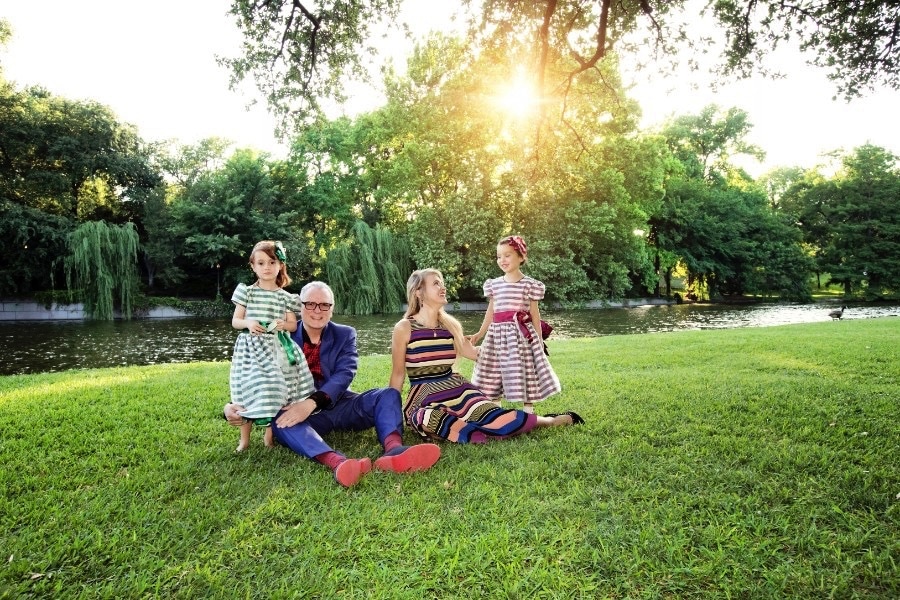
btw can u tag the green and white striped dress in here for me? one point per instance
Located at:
(262, 379)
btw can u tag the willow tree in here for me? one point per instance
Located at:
(101, 264)
(368, 272)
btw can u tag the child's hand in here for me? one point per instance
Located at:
(255, 327)
(473, 339)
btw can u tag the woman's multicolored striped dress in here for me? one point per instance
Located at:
(442, 404)
(509, 365)
(262, 379)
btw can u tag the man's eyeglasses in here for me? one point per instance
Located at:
(322, 306)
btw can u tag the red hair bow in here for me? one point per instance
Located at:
(518, 244)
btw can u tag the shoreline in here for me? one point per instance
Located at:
(30, 310)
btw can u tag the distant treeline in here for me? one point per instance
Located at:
(434, 178)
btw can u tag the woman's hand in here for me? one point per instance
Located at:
(468, 349)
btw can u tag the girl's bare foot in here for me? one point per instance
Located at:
(267, 438)
(244, 443)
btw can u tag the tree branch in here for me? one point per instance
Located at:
(544, 36)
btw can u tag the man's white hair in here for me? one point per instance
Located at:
(316, 285)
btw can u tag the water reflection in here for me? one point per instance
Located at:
(43, 346)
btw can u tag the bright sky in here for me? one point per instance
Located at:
(154, 64)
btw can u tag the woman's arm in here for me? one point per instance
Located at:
(488, 318)
(399, 342)
(466, 349)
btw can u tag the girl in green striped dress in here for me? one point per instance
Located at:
(268, 369)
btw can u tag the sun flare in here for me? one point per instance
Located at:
(519, 98)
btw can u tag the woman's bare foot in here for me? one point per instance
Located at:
(570, 417)
(562, 419)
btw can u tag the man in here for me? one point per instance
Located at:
(330, 351)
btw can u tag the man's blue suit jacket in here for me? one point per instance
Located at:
(339, 358)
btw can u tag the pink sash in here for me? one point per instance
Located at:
(519, 316)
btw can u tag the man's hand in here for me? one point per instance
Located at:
(231, 414)
(296, 413)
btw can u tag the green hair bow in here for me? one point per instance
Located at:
(279, 252)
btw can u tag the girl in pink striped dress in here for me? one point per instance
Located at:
(441, 403)
(511, 361)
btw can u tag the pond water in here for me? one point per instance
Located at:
(45, 346)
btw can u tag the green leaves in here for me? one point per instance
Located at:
(301, 55)
(863, 248)
(70, 158)
(368, 271)
(854, 39)
(719, 224)
(102, 261)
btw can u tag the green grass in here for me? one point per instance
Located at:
(744, 463)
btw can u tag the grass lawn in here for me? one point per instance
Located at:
(743, 463)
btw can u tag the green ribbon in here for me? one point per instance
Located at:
(279, 252)
(287, 343)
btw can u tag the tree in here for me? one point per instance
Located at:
(5, 35)
(706, 142)
(445, 165)
(368, 271)
(225, 212)
(185, 163)
(158, 250)
(182, 166)
(102, 260)
(778, 181)
(30, 243)
(855, 39)
(861, 249)
(70, 158)
(719, 223)
(300, 53)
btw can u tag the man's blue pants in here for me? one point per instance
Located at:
(379, 408)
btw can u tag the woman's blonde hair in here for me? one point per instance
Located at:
(414, 302)
(272, 250)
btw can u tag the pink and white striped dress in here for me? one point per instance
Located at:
(509, 365)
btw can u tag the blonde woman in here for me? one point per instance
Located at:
(441, 403)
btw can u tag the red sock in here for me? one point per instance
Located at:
(392, 441)
(330, 459)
